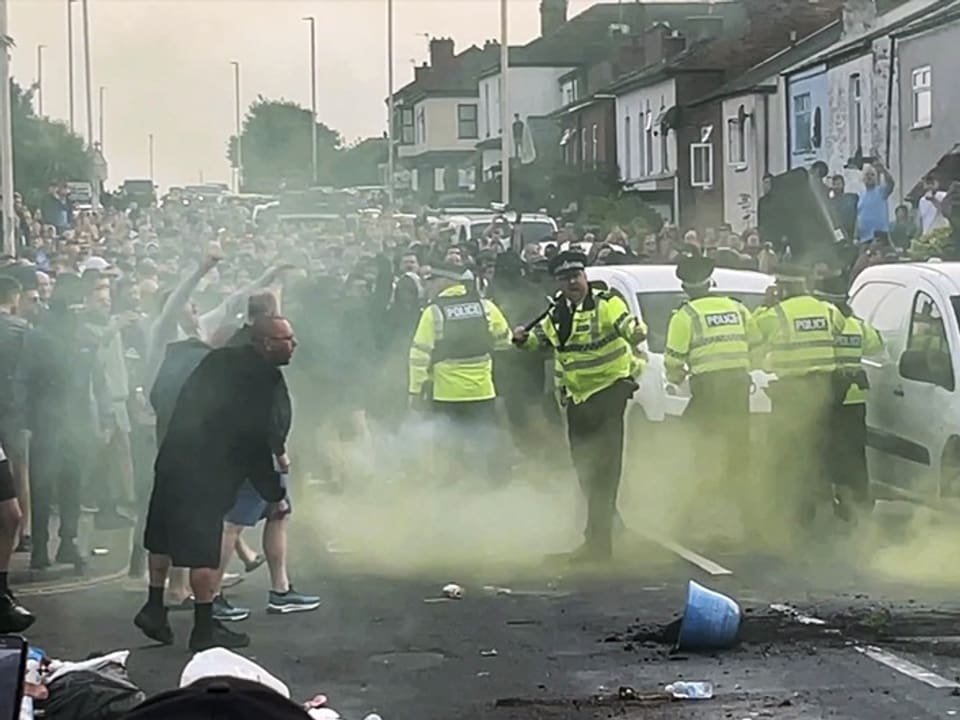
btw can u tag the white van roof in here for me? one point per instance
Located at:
(944, 274)
(663, 278)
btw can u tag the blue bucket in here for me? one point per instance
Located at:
(711, 620)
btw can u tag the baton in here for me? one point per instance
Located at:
(552, 303)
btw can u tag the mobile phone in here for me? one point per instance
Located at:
(13, 665)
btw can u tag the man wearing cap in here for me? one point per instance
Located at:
(451, 362)
(709, 339)
(593, 336)
(799, 335)
(848, 433)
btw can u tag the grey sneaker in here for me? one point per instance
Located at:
(225, 612)
(291, 602)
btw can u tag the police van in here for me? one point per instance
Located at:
(913, 405)
(653, 292)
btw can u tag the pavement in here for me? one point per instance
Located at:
(539, 639)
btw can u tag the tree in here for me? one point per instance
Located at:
(277, 144)
(44, 151)
(359, 163)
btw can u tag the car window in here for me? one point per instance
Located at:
(535, 230)
(656, 309)
(868, 296)
(889, 314)
(928, 334)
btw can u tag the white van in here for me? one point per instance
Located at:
(913, 407)
(653, 292)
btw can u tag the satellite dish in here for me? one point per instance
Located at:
(743, 115)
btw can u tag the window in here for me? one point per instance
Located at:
(923, 97)
(583, 145)
(928, 335)
(648, 132)
(890, 312)
(856, 114)
(486, 108)
(736, 143)
(421, 125)
(414, 180)
(569, 91)
(593, 145)
(802, 123)
(406, 126)
(467, 122)
(701, 165)
(627, 169)
(439, 179)
(641, 146)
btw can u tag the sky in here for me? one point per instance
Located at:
(166, 68)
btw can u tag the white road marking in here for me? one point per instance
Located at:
(689, 555)
(906, 667)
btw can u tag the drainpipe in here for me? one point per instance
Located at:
(890, 79)
(766, 133)
(787, 104)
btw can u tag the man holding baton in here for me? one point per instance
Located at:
(594, 337)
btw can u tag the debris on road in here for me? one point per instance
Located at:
(682, 690)
(492, 652)
(711, 620)
(497, 590)
(796, 615)
(453, 591)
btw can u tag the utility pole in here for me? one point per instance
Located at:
(40, 49)
(313, 96)
(150, 154)
(238, 171)
(6, 140)
(70, 90)
(100, 117)
(390, 105)
(86, 63)
(506, 132)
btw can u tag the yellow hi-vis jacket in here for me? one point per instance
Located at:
(858, 339)
(708, 334)
(799, 336)
(600, 349)
(456, 378)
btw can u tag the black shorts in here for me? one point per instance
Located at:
(8, 489)
(189, 533)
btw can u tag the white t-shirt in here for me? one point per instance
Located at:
(930, 216)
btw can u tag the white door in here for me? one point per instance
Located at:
(922, 392)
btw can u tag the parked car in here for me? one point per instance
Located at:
(913, 407)
(142, 192)
(653, 292)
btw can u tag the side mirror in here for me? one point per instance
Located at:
(916, 365)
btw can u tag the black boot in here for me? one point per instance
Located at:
(218, 636)
(154, 624)
(68, 554)
(14, 617)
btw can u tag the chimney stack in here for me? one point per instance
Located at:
(441, 53)
(859, 16)
(553, 15)
(661, 42)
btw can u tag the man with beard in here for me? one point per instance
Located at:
(219, 434)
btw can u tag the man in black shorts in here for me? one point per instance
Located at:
(219, 434)
(14, 618)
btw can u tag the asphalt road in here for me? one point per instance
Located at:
(385, 641)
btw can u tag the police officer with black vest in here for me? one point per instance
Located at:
(709, 340)
(451, 358)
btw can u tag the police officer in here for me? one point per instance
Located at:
(709, 339)
(799, 334)
(848, 433)
(451, 363)
(593, 335)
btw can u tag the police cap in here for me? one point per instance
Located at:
(569, 262)
(695, 269)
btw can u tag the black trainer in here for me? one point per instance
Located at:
(219, 636)
(154, 624)
(14, 617)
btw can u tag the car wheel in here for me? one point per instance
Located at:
(950, 469)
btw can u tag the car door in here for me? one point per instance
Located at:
(922, 392)
(886, 306)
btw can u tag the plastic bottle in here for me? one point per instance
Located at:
(690, 690)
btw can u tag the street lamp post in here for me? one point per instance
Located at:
(238, 171)
(70, 92)
(150, 154)
(313, 96)
(390, 105)
(6, 140)
(88, 79)
(505, 131)
(102, 90)
(40, 49)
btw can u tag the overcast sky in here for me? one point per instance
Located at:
(166, 66)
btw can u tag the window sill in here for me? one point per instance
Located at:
(923, 126)
(738, 167)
